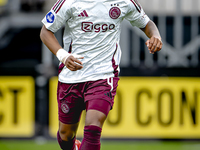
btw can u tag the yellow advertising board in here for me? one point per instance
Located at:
(17, 106)
(3, 2)
(148, 107)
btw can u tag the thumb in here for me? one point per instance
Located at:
(77, 56)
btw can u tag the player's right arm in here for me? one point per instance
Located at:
(49, 39)
(70, 60)
(53, 21)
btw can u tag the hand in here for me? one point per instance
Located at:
(154, 44)
(72, 62)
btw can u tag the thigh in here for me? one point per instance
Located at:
(99, 99)
(70, 102)
(95, 117)
(104, 89)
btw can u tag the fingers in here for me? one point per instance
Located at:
(159, 47)
(73, 63)
(154, 44)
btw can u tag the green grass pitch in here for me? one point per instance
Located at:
(106, 145)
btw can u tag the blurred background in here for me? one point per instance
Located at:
(158, 96)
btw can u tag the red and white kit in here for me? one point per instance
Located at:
(92, 30)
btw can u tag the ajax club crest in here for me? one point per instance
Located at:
(65, 108)
(114, 12)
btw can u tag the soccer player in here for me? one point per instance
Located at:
(89, 61)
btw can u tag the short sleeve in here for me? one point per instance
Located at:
(57, 16)
(136, 15)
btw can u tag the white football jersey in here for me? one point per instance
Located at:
(92, 30)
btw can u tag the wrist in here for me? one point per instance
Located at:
(62, 55)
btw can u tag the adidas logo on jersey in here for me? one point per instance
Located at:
(83, 14)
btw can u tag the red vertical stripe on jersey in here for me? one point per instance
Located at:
(70, 47)
(60, 68)
(115, 67)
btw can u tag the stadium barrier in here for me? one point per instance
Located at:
(145, 108)
(17, 106)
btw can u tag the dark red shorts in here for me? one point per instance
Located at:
(73, 98)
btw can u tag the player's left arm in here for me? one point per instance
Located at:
(154, 43)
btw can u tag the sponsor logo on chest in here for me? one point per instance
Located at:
(89, 26)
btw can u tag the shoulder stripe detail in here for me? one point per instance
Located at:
(137, 5)
(55, 4)
(58, 5)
